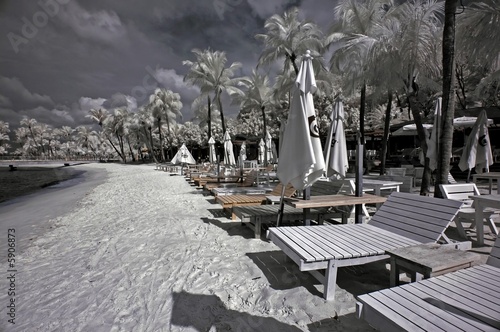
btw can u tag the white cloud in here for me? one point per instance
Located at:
(14, 91)
(86, 103)
(265, 8)
(169, 79)
(104, 26)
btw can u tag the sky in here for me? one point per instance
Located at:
(60, 58)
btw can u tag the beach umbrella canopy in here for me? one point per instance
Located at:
(228, 150)
(262, 151)
(211, 151)
(477, 152)
(410, 130)
(183, 156)
(433, 143)
(336, 158)
(301, 160)
(468, 121)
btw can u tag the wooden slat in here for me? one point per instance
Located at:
(334, 200)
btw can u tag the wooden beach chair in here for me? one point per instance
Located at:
(466, 300)
(462, 192)
(248, 181)
(230, 201)
(403, 220)
(257, 216)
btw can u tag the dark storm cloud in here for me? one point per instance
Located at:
(59, 58)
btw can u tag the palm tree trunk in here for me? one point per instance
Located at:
(209, 118)
(387, 124)
(219, 103)
(162, 152)
(446, 139)
(426, 177)
(130, 149)
(151, 146)
(264, 134)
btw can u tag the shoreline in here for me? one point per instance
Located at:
(33, 213)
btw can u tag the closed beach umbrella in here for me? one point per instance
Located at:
(262, 151)
(269, 144)
(477, 152)
(301, 160)
(228, 150)
(183, 156)
(211, 151)
(433, 144)
(337, 161)
(274, 151)
(243, 152)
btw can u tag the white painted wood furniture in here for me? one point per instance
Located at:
(481, 203)
(462, 192)
(466, 300)
(490, 176)
(403, 220)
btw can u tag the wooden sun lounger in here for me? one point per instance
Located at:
(466, 300)
(403, 220)
(249, 180)
(230, 201)
(256, 216)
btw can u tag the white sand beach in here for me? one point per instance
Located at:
(133, 249)
(143, 251)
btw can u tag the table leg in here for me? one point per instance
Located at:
(394, 277)
(479, 216)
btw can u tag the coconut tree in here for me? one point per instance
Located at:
(210, 74)
(165, 105)
(288, 37)
(114, 126)
(258, 96)
(4, 136)
(34, 131)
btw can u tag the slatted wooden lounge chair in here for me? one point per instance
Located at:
(248, 181)
(230, 201)
(403, 220)
(256, 216)
(466, 300)
(462, 192)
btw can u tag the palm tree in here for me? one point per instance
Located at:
(98, 115)
(258, 96)
(211, 76)
(288, 37)
(115, 125)
(165, 106)
(34, 131)
(4, 130)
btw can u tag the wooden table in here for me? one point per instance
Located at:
(379, 185)
(428, 260)
(480, 203)
(490, 176)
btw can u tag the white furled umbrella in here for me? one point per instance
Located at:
(477, 152)
(433, 143)
(301, 160)
(269, 143)
(211, 151)
(336, 158)
(262, 151)
(183, 156)
(274, 151)
(243, 152)
(282, 132)
(228, 150)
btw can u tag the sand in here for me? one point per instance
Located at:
(133, 249)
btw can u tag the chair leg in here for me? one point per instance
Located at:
(492, 226)
(460, 228)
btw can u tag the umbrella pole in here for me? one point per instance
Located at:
(282, 206)
(468, 176)
(306, 196)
